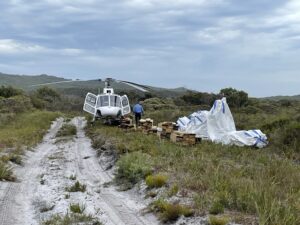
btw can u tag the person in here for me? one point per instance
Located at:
(138, 112)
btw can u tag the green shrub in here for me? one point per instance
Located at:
(9, 91)
(133, 167)
(77, 187)
(156, 181)
(214, 220)
(216, 208)
(77, 208)
(16, 104)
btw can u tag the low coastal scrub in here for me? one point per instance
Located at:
(132, 168)
(256, 185)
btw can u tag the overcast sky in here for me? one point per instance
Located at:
(204, 45)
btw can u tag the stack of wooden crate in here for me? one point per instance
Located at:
(146, 125)
(183, 138)
(126, 123)
(166, 128)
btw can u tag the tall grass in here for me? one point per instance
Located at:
(21, 131)
(26, 129)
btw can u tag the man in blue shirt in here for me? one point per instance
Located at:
(138, 112)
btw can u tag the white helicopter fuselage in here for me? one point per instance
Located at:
(107, 104)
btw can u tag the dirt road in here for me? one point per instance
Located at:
(50, 169)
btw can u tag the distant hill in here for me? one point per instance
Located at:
(278, 98)
(78, 88)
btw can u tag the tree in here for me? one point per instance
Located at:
(199, 98)
(234, 97)
(9, 91)
(47, 94)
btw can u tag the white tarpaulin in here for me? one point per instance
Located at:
(218, 126)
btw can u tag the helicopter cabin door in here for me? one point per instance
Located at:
(90, 103)
(125, 105)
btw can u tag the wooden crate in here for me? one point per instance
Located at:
(183, 138)
(166, 129)
(126, 123)
(146, 126)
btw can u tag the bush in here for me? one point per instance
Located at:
(9, 91)
(156, 181)
(216, 208)
(16, 104)
(133, 167)
(234, 97)
(199, 98)
(287, 138)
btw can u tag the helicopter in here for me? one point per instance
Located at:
(106, 105)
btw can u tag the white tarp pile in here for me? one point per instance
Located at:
(218, 126)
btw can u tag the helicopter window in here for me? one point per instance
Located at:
(115, 101)
(91, 99)
(104, 101)
(125, 102)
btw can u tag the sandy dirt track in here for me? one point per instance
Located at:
(42, 180)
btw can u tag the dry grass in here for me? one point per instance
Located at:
(156, 181)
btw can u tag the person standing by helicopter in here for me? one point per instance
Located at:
(138, 111)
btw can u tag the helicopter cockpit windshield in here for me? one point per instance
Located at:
(109, 100)
(115, 101)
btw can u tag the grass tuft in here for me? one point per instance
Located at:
(216, 208)
(77, 208)
(6, 173)
(220, 220)
(77, 187)
(170, 212)
(67, 130)
(156, 181)
(72, 219)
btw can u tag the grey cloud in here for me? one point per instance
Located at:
(201, 44)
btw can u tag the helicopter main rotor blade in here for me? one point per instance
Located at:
(59, 82)
(134, 85)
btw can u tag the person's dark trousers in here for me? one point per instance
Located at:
(138, 116)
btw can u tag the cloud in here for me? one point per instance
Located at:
(9, 46)
(202, 44)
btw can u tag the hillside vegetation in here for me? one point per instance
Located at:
(245, 185)
(80, 88)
